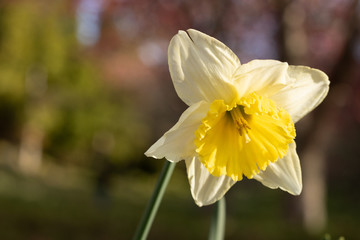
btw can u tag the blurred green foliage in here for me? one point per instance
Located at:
(48, 82)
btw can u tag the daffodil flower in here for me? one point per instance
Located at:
(240, 119)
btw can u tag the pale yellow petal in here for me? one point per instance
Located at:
(178, 143)
(205, 188)
(201, 67)
(309, 88)
(284, 173)
(264, 77)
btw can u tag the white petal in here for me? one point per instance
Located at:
(178, 143)
(308, 90)
(285, 173)
(265, 77)
(201, 67)
(205, 188)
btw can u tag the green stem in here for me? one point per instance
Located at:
(151, 209)
(217, 229)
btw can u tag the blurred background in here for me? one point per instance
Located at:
(85, 90)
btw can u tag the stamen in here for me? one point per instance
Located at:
(238, 115)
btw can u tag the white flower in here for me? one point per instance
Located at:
(240, 120)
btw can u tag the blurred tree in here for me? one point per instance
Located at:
(53, 102)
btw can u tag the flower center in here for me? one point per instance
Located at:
(243, 139)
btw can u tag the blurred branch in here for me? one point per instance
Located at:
(322, 133)
(346, 60)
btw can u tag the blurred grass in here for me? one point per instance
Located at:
(44, 207)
